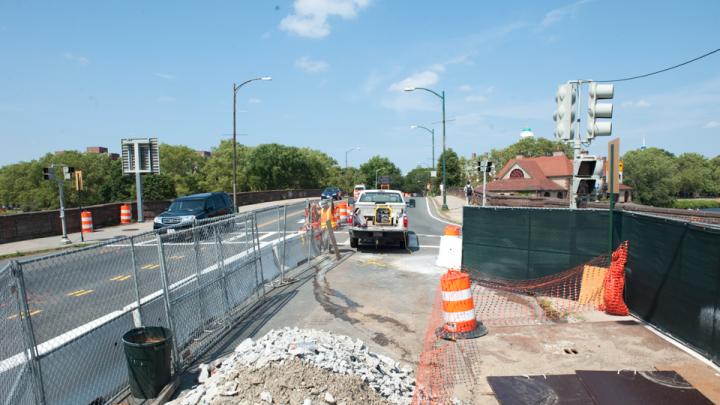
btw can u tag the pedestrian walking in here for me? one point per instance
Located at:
(468, 193)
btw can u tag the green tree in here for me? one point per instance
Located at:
(694, 175)
(416, 180)
(528, 147)
(650, 172)
(216, 173)
(346, 179)
(454, 175)
(157, 187)
(184, 165)
(383, 167)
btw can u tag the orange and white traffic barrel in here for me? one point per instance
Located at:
(125, 214)
(458, 308)
(86, 222)
(342, 208)
(450, 253)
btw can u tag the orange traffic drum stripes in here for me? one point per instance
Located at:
(452, 230)
(125, 214)
(86, 222)
(459, 320)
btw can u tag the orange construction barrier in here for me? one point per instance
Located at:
(86, 222)
(343, 212)
(125, 214)
(458, 308)
(452, 230)
(613, 302)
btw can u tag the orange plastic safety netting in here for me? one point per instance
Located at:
(446, 369)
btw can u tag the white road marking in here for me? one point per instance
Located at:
(427, 202)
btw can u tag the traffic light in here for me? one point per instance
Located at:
(48, 173)
(484, 166)
(597, 110)
(68, 172)
(79, 186)
(480, 166)
(488, 166)
(564, 116)
(587, 171)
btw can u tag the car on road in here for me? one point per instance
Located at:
(379, 216)
(184, 211)
(333, 193)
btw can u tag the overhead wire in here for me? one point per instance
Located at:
(659, 71)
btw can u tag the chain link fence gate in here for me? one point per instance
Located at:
(63, 315)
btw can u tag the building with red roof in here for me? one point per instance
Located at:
(542, 176)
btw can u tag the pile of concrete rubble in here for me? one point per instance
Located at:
(302, 366)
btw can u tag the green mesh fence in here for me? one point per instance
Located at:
(673, 268)
(523, 243)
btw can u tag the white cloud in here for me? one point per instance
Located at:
(555, 16)
(465, 88)
(476, 98)
(642, 103)
(254, 100)
(311, 66)
(310, 17)
(712, 124)
(164, 76)
(80, 60)
(422, 79)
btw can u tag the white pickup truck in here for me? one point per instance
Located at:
(379, 216)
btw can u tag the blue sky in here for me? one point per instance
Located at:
(83, 73)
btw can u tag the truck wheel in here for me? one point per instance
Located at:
(354, 242)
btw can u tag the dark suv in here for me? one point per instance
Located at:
(184, 211)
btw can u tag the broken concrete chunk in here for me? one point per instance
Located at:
(266, 397)
(329, 398)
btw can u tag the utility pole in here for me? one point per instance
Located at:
(484, 200)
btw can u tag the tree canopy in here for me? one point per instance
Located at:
(381, 166)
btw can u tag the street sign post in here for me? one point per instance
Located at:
(140, 156)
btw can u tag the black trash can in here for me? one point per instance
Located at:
(147, 351)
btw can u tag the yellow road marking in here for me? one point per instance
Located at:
(121, 278)
(150, 266)
(79, 293)
(176, 257)
(32, 312)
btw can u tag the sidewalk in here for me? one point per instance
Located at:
(50, 243)
(455, 205)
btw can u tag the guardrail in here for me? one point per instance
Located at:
(62, 316)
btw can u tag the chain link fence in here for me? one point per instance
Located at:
(63, 315)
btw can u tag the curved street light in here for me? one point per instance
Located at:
(234, 166)
(441, 96)
(346, 154)
(432, 132)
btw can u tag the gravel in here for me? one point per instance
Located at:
(303, 366)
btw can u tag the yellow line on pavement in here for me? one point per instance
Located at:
(32, 312)
(176, 257)
(79, 293)
(121, 278)
(151, 266)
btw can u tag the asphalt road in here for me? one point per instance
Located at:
(66, 291)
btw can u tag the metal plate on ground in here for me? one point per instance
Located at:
(552, 389)
(641, 387)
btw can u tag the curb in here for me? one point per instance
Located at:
(442, 214)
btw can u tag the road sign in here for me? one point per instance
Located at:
(385, 180)
(140, 156)
(79, 180)
(433, 173)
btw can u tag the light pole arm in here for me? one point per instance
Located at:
(431, 91)
(237, 87)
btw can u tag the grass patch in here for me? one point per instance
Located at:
(41, 251)
(551, 312)
(696, 203)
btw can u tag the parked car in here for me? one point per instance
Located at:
(184, 211)
(359, 188)
(331, 193)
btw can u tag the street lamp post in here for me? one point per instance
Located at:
(441, 96)
(432, 132)
(376, 178)
(346, 155)
(234, 165)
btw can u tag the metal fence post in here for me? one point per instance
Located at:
(256, 241)
(246, 240)
(139, 321)
(168, 312)
(284, 244)
(308, 228)
(221, 267)
(28, 333)
(198, 274)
